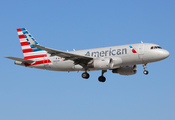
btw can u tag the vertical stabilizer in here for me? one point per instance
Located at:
(30, 52)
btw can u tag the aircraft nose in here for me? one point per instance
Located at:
(164, 54)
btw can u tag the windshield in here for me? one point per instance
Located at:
(156, 47)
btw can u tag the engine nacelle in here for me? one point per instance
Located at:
(103, 63)
(126, 70)
(18, 62)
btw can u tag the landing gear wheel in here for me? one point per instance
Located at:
(85, 75)
(145, 72)
(102, 79)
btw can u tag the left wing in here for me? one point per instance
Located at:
(78, 59)
(20, 59)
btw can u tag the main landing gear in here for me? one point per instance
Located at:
(85, 75)
(145, 71)
(102, 78)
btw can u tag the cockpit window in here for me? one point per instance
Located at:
(156, 47)
(159, 47)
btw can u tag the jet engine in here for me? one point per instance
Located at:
(103, 63)
(126, 70)
(18, 62)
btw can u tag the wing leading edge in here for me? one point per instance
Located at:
(78, 59)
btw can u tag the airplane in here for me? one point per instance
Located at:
(121, 59)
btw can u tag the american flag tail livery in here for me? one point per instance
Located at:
(30, 52)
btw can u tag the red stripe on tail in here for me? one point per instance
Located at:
(24, 43)
(27, 50)
(38, 62)
(35, 56)
(21, 36)
(19, 30)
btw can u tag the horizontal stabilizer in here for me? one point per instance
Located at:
(21, 60)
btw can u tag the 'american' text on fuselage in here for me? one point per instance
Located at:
(104, 53)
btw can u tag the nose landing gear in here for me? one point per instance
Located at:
(145, 71)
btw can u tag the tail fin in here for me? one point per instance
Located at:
(29, 51)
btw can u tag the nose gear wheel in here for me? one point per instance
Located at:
(145, 71)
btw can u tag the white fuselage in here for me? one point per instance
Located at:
(122, 56)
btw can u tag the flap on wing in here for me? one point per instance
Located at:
(20, 59)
